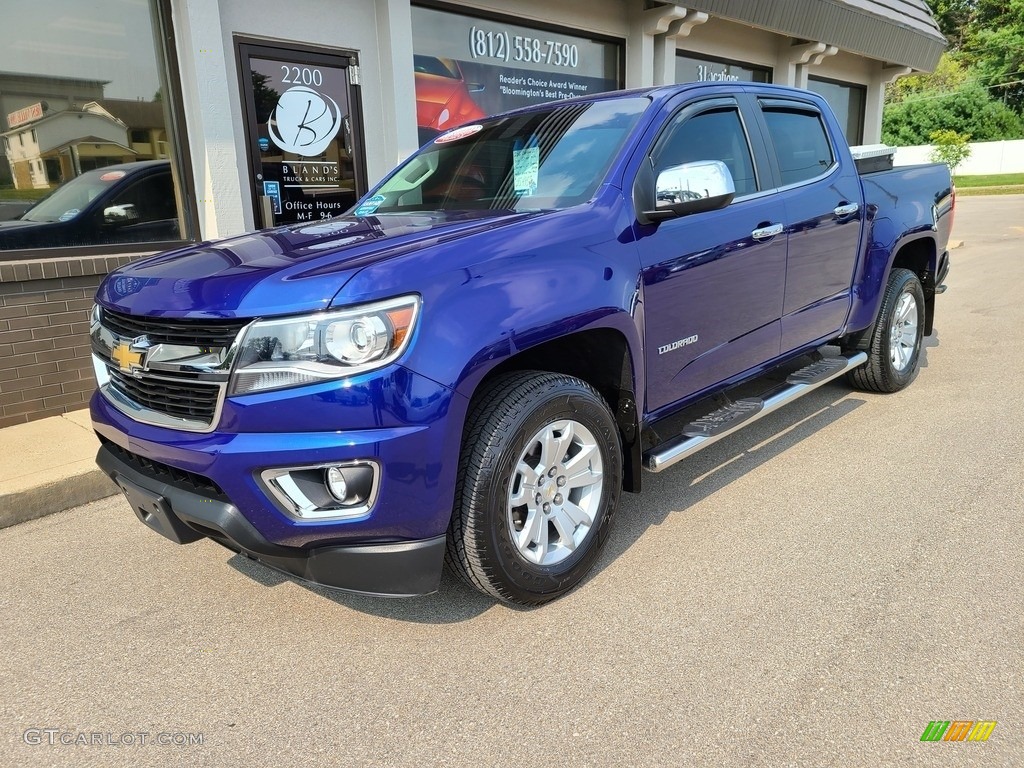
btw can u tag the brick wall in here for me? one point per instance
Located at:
(45, 367)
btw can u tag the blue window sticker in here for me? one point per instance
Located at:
(272, 189)
(370, 205)
(69, 215)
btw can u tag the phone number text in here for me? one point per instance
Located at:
(499, 44)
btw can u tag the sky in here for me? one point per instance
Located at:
(94, 39)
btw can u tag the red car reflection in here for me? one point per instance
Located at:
(443, 97)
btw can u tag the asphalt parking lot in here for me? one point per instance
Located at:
(812, 591)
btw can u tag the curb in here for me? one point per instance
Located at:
(49, 466)
(1009, 189)
(58, 496)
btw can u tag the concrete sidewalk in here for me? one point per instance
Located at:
(49, 466)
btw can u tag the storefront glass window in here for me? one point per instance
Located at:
(469, 67)
(701, 69)
(84, 114)
(847, 101)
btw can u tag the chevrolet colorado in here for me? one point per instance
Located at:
(501, 337)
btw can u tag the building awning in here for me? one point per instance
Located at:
(119, 149)
(135, 114)
(893, 31)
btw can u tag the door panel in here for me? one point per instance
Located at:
(712, 290)
(822, 205)
(822, 256)
(303, 130)
(715, 295)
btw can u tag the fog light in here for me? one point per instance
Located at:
(336, 484)
(324, 491)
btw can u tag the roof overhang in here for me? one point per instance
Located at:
(121, 148)
(893, 31)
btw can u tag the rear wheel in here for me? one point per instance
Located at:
(539, 482)
(895, 344)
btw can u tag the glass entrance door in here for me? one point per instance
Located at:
(303, 132)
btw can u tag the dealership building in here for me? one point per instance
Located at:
(255, 113)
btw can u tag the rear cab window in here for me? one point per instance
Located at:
(799, 140)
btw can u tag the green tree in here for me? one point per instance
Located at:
(993, 46)
(951, 148)
(968, 109)
(952, 17)
(949, 75)
(264, 96)
(1001, 63)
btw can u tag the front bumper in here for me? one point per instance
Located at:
(397, 569)
(214, 484)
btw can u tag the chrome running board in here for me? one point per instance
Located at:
(709, 429)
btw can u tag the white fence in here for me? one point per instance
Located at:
(987, 157)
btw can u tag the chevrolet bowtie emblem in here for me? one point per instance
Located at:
(127, 359)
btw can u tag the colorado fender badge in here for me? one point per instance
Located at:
(677, 344)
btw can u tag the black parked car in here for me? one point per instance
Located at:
(127, 203)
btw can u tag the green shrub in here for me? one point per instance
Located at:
(951, 148)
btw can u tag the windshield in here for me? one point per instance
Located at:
(69, 199)
(545, 159)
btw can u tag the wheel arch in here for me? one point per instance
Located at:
(920, 256)
(602, 357)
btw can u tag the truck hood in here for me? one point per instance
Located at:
(286, 270)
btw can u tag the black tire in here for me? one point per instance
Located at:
(893, 348)
(505, 420)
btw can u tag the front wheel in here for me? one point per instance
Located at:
(895, 344)
(539, 481)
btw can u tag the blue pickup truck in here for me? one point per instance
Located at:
(531, 311)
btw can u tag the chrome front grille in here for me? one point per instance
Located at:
(166, 372)
(189, 333)
(176, 397)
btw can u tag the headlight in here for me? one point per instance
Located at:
(287, 352)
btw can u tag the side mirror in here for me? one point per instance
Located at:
(117, 215)
(705, 185)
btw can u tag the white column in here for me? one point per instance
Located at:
(665, 46)
(208, 75)
(644, 25)
(791, 65)
(874, 103)
(394, 45)
(816, 59)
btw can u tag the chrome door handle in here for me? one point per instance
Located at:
(767, 233)
(847, 209)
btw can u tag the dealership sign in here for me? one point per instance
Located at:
(25, 115)
(468, 67)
